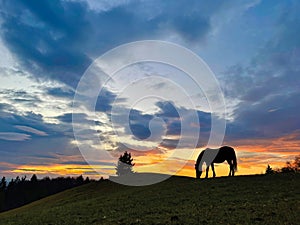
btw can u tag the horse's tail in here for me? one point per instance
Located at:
(234, 161)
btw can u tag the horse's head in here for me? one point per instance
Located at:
(197, 165)
(198, 172)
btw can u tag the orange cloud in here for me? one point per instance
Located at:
(253, 157)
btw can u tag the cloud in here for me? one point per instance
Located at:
(12, 136)
(36, 147)
(55, 41)
(105, 100)
(60, 92)
(163, 127)
(167, 110)
(20, 97)
(139, 124)
(52, 40)
(8, 121)
(267, 88)
(197, 122)
(32, 130)
(45, 29)
(67, 117)
(5, 107)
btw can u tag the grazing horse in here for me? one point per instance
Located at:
(211, 156)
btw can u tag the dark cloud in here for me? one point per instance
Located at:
(56, 39)
(175, 115)
(169, 143)
(12, 136)
(105, 100)
(5, 107)
(121, 148)
(34, 125)
(75, 163)
(191, 27)
(22, 97)
(35, 148)
(45, 37)
(143, 125)
(267, 118)
(268, 87)
(167, 110)
(8, 121)
(60, 92)
(68, 117)
(139, 124)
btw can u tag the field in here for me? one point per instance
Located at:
(259, 199)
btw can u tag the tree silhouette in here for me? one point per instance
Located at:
(290, 167)
(125, 164)
(20, 191)
(269, 170)
(296, 163)
(34, 178)
(3, 184)
(2, 193)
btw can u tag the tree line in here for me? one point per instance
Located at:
(290, 167)
(21, 191)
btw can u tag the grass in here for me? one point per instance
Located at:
(259, 199)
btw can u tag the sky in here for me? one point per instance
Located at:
(251, 47)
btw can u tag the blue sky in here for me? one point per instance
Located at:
(253, 48)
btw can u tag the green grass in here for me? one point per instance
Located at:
(260, 199)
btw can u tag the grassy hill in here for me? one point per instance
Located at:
(273, 199)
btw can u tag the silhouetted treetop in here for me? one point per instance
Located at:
(269, 170)
(125, 164)
(33, 178)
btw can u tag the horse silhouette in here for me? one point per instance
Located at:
(211, 156)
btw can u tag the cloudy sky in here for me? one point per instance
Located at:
(252, 48)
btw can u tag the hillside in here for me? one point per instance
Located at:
(273, 199)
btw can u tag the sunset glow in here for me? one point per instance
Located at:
(52, 123)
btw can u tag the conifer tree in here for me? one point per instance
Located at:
(269, 170)
(125, 164)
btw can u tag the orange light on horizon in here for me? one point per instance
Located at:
(253, 157)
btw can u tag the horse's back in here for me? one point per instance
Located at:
(225, 153)
(227, 148)
(221, 154)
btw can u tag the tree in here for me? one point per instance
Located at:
(3, 184)
(80, 179)
(296, 163)
(34, 178)
(269, 170)
(292, 167)
(125, 165)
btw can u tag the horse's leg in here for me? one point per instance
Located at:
(198, 174)
(213, 169)
(232, 170)
(207, 169)
(230, 167)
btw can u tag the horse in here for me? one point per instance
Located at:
(211, 156)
